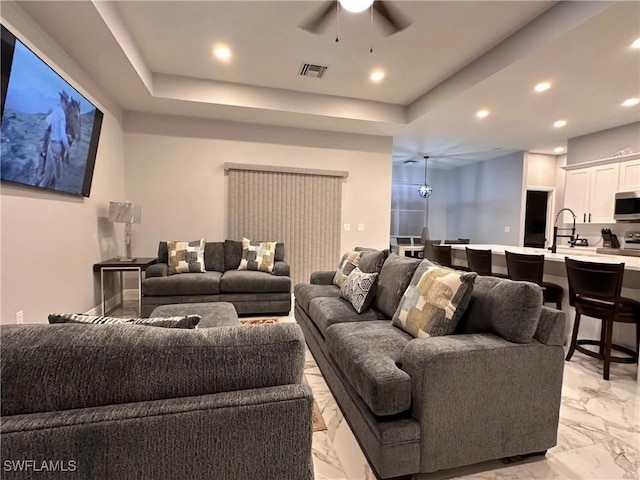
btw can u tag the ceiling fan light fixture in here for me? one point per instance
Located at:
(355, 6)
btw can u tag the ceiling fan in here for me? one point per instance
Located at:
(389, 16)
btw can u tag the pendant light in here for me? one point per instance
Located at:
(425, 189)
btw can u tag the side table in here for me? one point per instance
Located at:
(139, 265)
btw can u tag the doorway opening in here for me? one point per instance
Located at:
(535, 219)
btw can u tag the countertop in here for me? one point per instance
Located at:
(587, 254)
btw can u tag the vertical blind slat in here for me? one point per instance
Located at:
(301, 210)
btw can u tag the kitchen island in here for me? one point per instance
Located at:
(555, 271)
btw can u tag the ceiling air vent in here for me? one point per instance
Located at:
(311, 70)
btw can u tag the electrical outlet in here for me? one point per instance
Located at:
(20, 317)
(507, 229)
(347, 226)
(360, 227)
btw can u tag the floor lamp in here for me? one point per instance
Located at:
(127, 213)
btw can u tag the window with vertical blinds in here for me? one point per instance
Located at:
(300, 207)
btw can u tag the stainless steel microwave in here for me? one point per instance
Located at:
(627, 206)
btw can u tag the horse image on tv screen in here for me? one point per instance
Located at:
(46, 127)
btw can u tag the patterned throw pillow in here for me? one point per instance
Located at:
(259, 257)
(434, 301)
(348, 262)
(359, 288)
(188, 321)
(186, 257)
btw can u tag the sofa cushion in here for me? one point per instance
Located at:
(232, 254)
(305, 292)
(434, 301)
(507, 308)
(348, 262)
(371, 260)
(244, 281)
(214, 256)
(368, 354)
(325, 311)
(394, 279)
(186, 257)
(259, 257)
(359, 288)
(207, 283)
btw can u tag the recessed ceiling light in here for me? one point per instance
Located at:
(482, 113)
(558, 150)
(222, 53)
(630, 102)
(376, 76)
(355, 6)
(636, 43)
(559, 123)
(542, 87)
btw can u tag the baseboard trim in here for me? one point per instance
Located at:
(113, 302)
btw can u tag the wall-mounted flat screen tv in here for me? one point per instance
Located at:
(49, 131)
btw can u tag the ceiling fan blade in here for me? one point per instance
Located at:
(392, 20)
(319, 20)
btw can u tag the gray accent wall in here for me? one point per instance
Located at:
(50, 241)
(603, 144)
(484, 198)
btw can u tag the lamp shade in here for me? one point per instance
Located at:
(124, 212)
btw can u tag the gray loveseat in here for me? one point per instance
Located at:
(250, 292)
(490, 391)
(106, 402)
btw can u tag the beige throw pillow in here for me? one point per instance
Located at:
(259, 257)
(186, 257)
(348, 262)
(434, 301)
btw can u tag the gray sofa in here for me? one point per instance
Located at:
(250, 292)
(105, 402)
(490, 391)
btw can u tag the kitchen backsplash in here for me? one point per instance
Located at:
(591, 231)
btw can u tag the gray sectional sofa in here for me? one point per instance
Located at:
(250, 292)
(130, 402)
(489, 391)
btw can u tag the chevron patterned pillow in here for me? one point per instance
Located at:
(359, 288)
(188, 321)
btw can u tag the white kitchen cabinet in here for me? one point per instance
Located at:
(576, 194)
(590, 193)
(629, 178)
(604, 185)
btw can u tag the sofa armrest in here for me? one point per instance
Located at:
(322, 277)
(112, 364)
(157, 270)
(468, 390)
(551, 326)
(281, 269)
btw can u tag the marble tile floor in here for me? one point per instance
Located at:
(598, 437)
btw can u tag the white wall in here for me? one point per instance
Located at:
(484, 198)
(174, 169)
(50, 241)
(603, 144)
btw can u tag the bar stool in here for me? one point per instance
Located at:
(442, 255)
(479, 261)
(594, 290)
(530, 268)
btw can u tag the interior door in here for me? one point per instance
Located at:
(535, 219)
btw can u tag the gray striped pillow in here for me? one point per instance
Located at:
(188, 321)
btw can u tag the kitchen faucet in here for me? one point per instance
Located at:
(554, 246)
